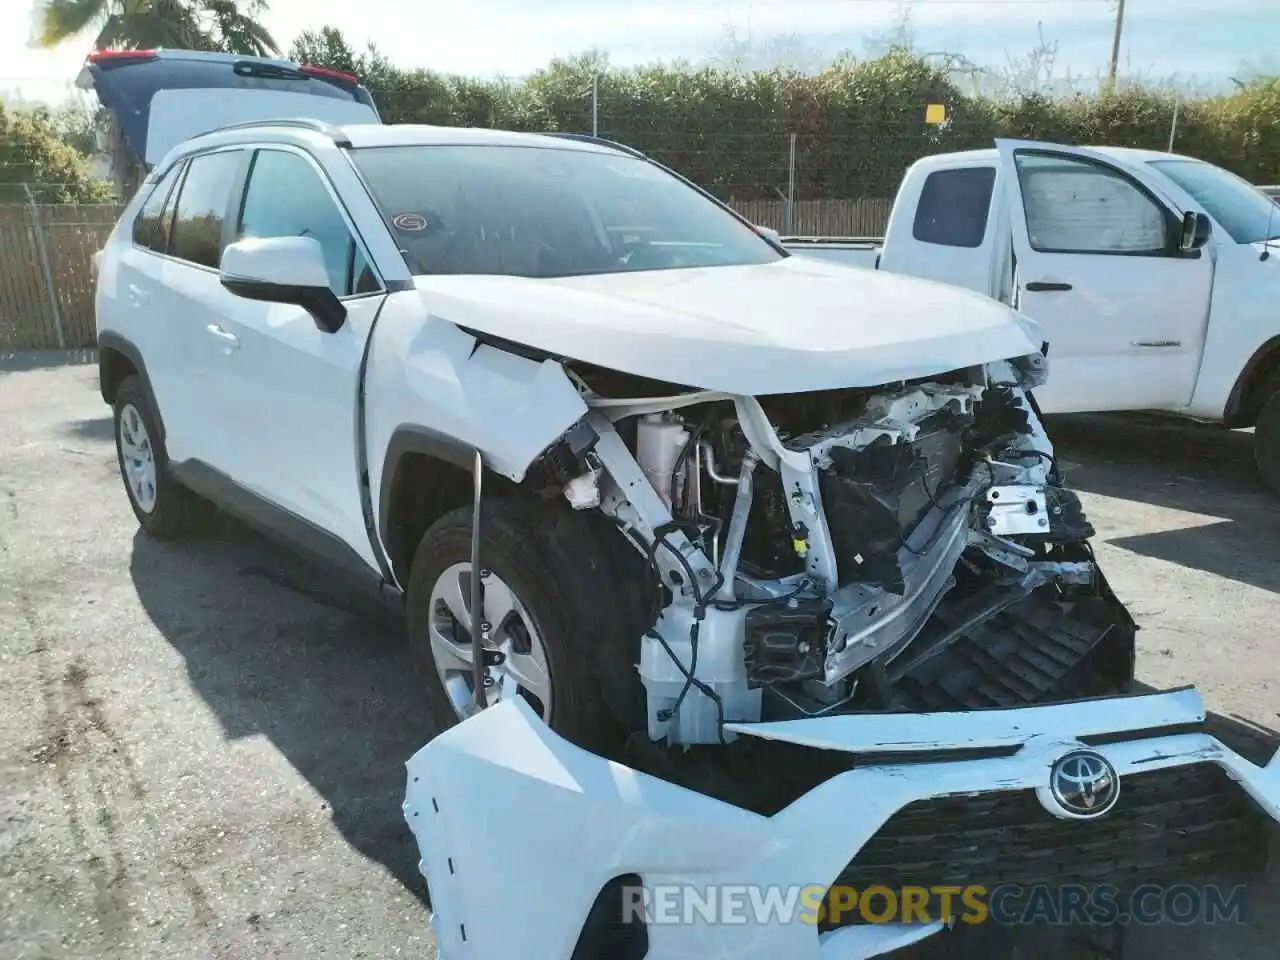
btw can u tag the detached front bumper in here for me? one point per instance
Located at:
(520, 831)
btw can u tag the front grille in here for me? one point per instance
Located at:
(1176, 825)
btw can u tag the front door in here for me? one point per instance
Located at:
(297, 386)
(1098, 265)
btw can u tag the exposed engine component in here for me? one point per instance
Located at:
(800, 545)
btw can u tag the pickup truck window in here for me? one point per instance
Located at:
(1246, 213)
(202, 207)
(548, 212)
(1077, 206)
(286, 198)
(953, 207)
(151, 227)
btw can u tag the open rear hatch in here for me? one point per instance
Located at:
(163, 97)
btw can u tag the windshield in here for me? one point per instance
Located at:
(1245, 212)
(547, 212)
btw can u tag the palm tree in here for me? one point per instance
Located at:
(225, 25)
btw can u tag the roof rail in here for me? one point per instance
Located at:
(319, 126)
(599, 141)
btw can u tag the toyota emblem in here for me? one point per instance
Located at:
(1084, 785)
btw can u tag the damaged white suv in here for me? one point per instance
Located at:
(763, 529)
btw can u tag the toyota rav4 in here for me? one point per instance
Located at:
(721, 565)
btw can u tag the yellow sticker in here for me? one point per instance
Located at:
(935, 113)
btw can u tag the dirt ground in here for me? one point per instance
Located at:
(199, 758)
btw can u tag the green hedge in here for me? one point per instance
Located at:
(858, 125)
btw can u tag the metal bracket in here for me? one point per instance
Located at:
(1015, 509)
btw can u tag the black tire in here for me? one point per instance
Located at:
(551, 560)
(177, 512)
(1266, 440)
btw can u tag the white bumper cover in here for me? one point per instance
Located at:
(519, 830)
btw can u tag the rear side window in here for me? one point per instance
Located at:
(953, 207)
(151, 227)
(202, 207)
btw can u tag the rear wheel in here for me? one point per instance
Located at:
(545, 602)
(1266, 440)
(165, 509)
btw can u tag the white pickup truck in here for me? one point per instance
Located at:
(1150, 273)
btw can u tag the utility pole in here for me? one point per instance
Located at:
(1115, 45)
(595, 104)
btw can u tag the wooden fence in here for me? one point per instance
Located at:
(46, 259)
(820, 218)
(46, 273)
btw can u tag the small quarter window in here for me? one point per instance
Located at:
(151, 226)
(954, 205)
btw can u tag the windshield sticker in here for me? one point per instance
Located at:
(410, 222)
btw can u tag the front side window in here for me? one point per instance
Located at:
(151, 226)
(202, 207)
(1246, 213)
(953, 207)
(286, 198)
(548, 212)
(1077, 206)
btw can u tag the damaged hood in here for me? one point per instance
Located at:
(790, 326)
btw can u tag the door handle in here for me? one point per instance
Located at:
(1044, 286)
(229, 340)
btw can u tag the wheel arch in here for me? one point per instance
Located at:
(119, 358)
(425, 474)
(1250, 390)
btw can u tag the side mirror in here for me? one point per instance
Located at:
(770, 234)
(284, 270)
(1196, 230)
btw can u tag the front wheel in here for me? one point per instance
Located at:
(1266, 441)
(543, 601)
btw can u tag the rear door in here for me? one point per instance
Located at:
(294, 388)
(1097, 264)
(172, 282)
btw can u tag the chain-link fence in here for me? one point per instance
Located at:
(809, 185)
(46, 250)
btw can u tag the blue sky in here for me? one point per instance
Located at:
(1207, 39)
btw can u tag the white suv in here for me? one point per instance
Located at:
(706, 483)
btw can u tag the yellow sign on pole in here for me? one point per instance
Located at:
(935, 113)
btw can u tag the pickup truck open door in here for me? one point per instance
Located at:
(1100, 264)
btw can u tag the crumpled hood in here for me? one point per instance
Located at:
(790, 326)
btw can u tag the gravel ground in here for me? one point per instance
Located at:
(200, 760)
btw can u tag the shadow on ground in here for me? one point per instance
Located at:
(1180, 466)
(273, 650)
(23, 360)
(93, 428)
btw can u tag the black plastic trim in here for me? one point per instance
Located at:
(408, 439)
(362, 453)
(126, 348)
(510, 346)
(280, 525)
(321, 302)
(1235, 401)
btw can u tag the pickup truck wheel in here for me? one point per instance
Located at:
(165, 509)
(1266, 441)
(538, 616)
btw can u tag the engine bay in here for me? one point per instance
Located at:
(803, 548)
